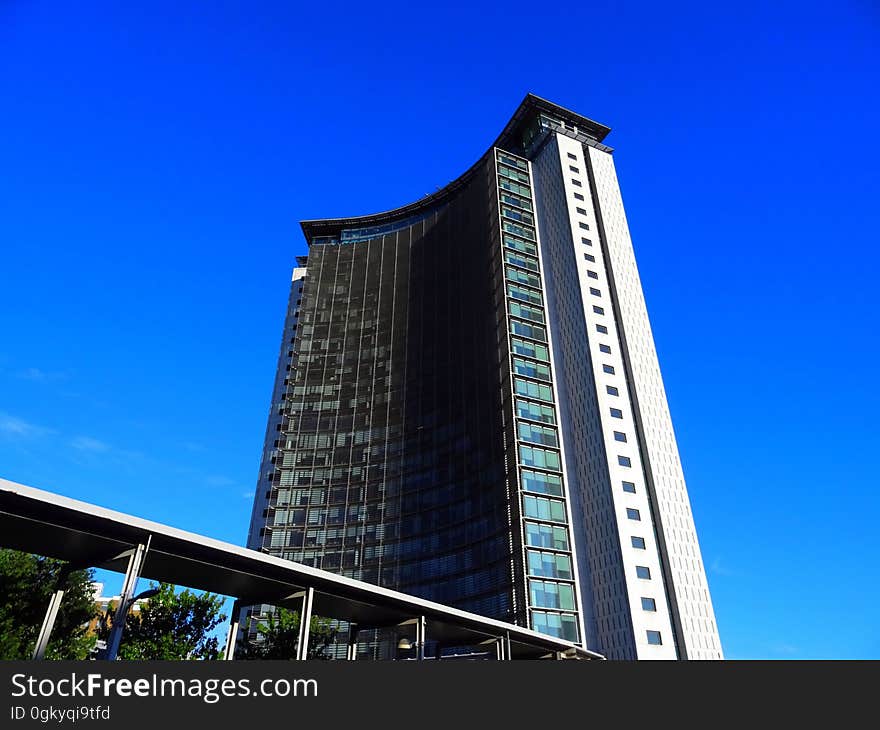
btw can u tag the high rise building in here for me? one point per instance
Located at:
(468, 406)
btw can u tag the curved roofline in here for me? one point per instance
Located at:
(508, 138)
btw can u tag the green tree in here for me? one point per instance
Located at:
(27, 582)
(172, 625)
(278, 636)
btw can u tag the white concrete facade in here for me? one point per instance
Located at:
(685, 574)
(644, 588)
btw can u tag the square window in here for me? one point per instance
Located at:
(638, 542)
(616, 413)
(643, 572)
(582, 211)
(578, 196)
(624, 461)
(633, 514)
(608, 369)
(654, 638)
(598, 310)
(589, 257)
(586, 242)
(605, 348)
(595, 292)
(611, 390)
(602, 328)
(620, 436)
(629, 487)
(649, 604)
(571, 156)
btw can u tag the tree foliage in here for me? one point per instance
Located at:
(172, 625)
(278, 636)
(27, 582)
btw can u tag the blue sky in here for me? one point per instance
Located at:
(156, 161)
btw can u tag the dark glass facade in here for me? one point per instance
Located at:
(391, 465)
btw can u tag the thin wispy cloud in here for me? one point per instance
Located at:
(87, 443)
(719, 568)
(247, 495)
(14, 427)
(39, 376)
(216, 480)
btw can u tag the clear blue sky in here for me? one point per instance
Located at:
(155, 161)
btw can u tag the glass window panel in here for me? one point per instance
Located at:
(534, 481)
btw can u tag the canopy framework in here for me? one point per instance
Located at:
(85, 535)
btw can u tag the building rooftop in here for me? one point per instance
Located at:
(512, 138)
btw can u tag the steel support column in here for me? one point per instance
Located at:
(51, 613)
(305, 619)
(232, 634)
(353, 632)
(132, 573)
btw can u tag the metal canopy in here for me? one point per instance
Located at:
(86, 535)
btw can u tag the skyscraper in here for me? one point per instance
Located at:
(468, 406)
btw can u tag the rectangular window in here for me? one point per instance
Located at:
(514, 188)
(584, 226)
(523, 246)
(518, 215)
(586, 242)
(535, 411)
(595, 292)
(578, 196)
(525, 295)
(654, 638)
(576, 183)
(560, 625)
(624, 460)
(573, 169)
(542, 508)
(643, 572)
(530, 349)
(523, 277)
(543, 435)
(616, 413)
(541, 458)
(602, 328)
(531, 369)
(598, 310)
(633, 514)
(571, 156)
(620, 436)
(548, 536)
(518, 230)
(549, 565)
(608, 369)
(528, 330)
(518, 259)
(605, 348)
(533, 390)
(524, 311)
(592, 275)
(512, 161)
(589, 257)
(582, 211)
(536, 481)
(649, 604)
(545, 594)
(611, 390)
(638, 542)
(629, 487)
